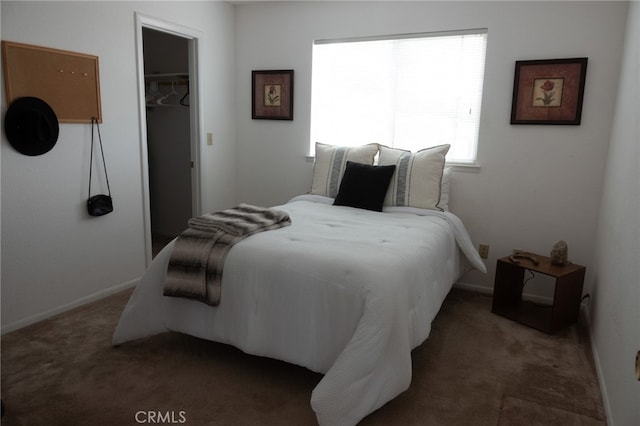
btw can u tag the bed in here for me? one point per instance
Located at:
(343, 291)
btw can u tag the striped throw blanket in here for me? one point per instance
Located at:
(196, 263)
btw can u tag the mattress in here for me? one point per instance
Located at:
(342, 291)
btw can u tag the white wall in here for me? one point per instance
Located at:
(615, 313)
(536, 184)
(53, 253)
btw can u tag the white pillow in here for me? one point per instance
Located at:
(417, 179)
(331, 162)
(444, 189)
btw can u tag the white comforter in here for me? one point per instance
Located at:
(342, 291)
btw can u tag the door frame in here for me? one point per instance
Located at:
(196, 115)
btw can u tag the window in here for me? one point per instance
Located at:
(407, 91)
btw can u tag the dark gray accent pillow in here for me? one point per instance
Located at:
(364, 186)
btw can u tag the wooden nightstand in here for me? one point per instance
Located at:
(509, 282)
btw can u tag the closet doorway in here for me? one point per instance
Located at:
(167, 59)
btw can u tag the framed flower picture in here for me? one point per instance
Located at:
(548, 91)
(272, 94)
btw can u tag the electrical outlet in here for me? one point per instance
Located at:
(483, 250)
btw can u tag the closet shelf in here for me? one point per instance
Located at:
(151, 105)
(168, 76)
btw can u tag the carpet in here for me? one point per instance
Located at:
(520, 412)
(476, 368)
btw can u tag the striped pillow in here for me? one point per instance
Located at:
(331, 162)
(418, 176)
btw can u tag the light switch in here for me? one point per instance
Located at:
(209, 138)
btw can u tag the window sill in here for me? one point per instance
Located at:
(463, 167)
(458, 167)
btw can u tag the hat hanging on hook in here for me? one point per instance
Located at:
(31, 126)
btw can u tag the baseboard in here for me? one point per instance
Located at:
(473, 287)
(60, 309)
(489, 290)
(584, 313)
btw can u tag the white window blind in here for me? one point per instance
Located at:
(408, 91)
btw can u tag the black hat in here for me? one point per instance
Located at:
(31, 126)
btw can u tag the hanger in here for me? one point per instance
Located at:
(182, 100)
(165, 99)
(154, 92)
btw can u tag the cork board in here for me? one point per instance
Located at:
(69, 82)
